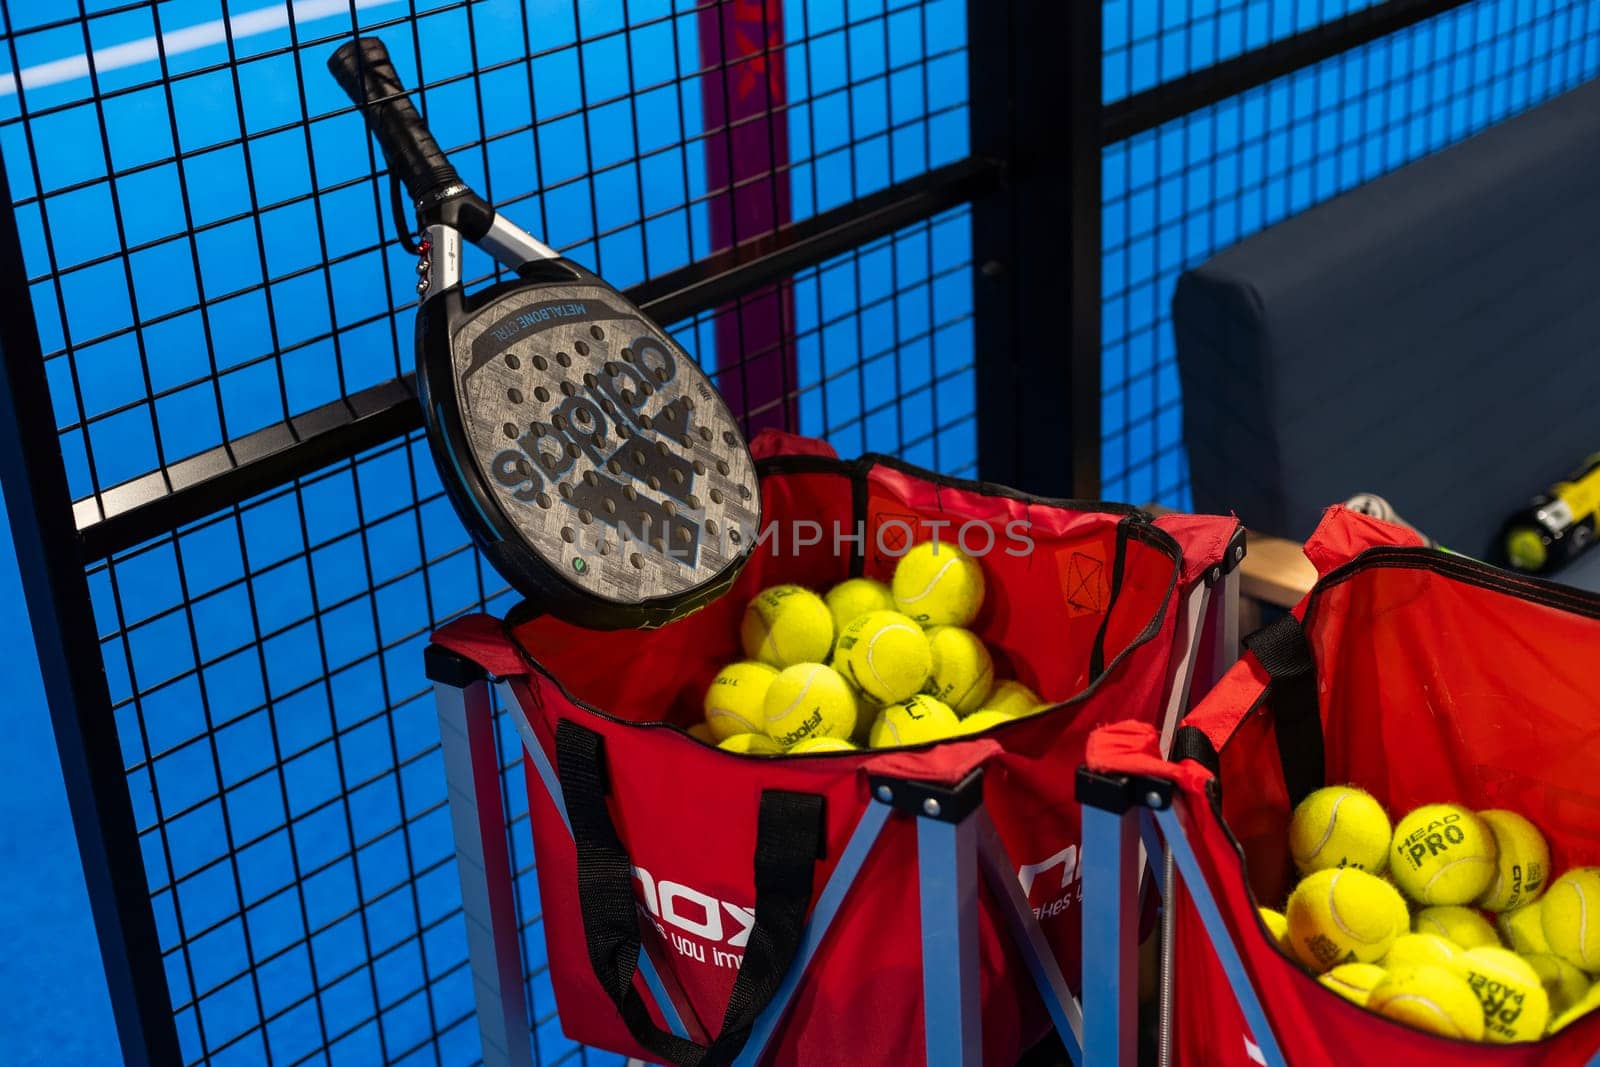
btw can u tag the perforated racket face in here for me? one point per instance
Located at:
(606, 447)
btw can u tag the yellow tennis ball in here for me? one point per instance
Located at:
(821, 744)
(1589, 1003)
(1339, 826)
(808, 700)
(701, 731)
(1343, 915)
(1012, 698)
(785, 625)
(1277, 926)
(1523, 930)
(961, 670)
(855, 597)
(1570, 917)
(1515, 1005)
(734, 698)
(885, 655)
(1460, 926)
(1414, 950)
(1354, 981)
(1442, 854)
(751, 745)
(1522, 861)
(937, 583)
(1564, 984)
(1429, 998)
(918, 720)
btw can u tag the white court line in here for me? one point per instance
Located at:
(176, 42)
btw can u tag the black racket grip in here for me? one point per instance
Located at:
(363, 70)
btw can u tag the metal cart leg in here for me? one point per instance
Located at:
(472, 776)
(947, 885)
(1112, 806)
(1001, 874)
(1110, 920)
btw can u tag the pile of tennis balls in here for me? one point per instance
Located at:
(865, 664)
(1482, 945)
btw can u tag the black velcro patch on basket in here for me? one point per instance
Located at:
(1285, 654)
(1191, 742)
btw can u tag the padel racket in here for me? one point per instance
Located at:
(593, 462)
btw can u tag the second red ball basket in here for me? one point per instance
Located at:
(1418, 675)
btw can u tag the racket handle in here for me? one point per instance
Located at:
(363, 70)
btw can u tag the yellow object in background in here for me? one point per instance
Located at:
(1557, 525)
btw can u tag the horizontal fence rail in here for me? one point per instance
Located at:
(125, 515)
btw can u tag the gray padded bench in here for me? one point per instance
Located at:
(1432, 336)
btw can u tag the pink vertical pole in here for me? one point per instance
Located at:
(747, 160)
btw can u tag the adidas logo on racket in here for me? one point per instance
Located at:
(586, 452)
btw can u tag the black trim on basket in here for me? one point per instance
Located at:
(789, 841)
(1469, 571)
(895, 463)
(1285, 654)
(858, 511)
(1097, 651)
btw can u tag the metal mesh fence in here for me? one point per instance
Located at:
(1175, 195)
(208, 254)
(1147, 44)
(279, 734)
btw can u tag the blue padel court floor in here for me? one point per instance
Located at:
(201, 285)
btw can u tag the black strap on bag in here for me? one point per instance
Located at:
(1097, 651)
(1191, 742)
(1284, 652)
(789, 841)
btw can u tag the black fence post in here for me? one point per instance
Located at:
(64, 632)
(1034, 81)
